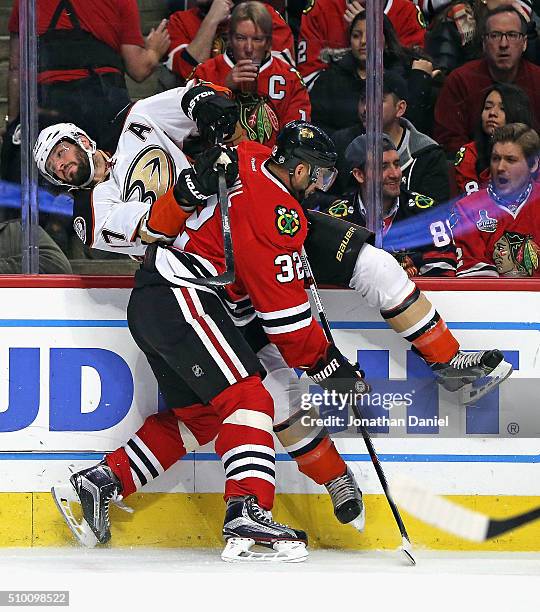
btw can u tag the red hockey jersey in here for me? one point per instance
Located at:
(496, 240)
(467, 179)
(268, 230)
(324, 29)
(281, 96)
(184, 25)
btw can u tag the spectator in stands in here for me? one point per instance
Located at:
(268, 90)
(51, 258)
(504, 103)
(459, 105)
(422, 160)
(415, 231)
(324, 33)
(497, 229)
(84, 50)
(335, 94)
(200, 33)
(451, 37)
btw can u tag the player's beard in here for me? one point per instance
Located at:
(83, 169)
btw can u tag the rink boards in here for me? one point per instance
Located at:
(74, 385)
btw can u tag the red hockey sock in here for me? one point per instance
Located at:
(322, 463)
(245, 442)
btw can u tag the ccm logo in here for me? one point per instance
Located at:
(344, 243)
(203, 94)
(327, 371)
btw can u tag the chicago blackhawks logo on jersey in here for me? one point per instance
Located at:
(287, 221)
(257, 117)
(149, 176)
(420, 201)
(516, 254)
(459, 156)
(340, 208)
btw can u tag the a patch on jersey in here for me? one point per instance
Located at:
(459, 156)
(341, 209)
(287, 221)
(292, 69)
(257, 117)
(219, 45)
(150, 175)
(79, 225)
(309, 6)
(421, 18)
(516, 254)
(486, 223)
(421, 201)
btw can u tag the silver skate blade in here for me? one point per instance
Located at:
(472, 392)
(64, 496)
(359, 522)
(406, 549)
(238, 550)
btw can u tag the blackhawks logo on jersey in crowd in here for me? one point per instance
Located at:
(257, 117)
(516, 254)
(287, 221)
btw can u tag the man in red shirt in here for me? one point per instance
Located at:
(200, 33)
(268, 91)
(497, 230)
(459, 105)
(84, 50)
(323, 32)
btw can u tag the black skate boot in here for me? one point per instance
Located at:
(94, 489)
(472, 374)
(347, 500)
(247, 524)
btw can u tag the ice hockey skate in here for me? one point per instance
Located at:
(247, 524)
(472, 375)
(93, 490)
(347, 500)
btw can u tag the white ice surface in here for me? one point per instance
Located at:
(161, 580)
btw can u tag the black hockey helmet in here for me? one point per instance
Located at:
(300, 141)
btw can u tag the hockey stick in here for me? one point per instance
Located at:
(228, 276)
(453, 518)
(406, 543)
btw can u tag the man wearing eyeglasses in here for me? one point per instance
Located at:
(459, 106)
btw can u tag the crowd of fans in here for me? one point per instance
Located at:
(461, 106)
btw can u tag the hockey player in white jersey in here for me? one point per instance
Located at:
(132, 203)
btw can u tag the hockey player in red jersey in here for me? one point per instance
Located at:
(497, 230)
(126, 213)
(268, 90)
(200, 33)
(323, 32)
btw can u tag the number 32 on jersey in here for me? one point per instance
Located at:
(290, 267)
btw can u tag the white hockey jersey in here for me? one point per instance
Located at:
(144, 167)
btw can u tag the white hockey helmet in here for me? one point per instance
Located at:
(49, 137)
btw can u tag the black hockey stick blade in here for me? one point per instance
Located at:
(228, 276)
(451, 517)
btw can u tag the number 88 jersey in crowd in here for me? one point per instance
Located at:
(416, 230)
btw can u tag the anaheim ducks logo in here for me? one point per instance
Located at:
(149, 176)
(287, 221)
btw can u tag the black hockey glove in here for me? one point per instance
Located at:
(336, 373)
(195, 185)
(215, 115)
